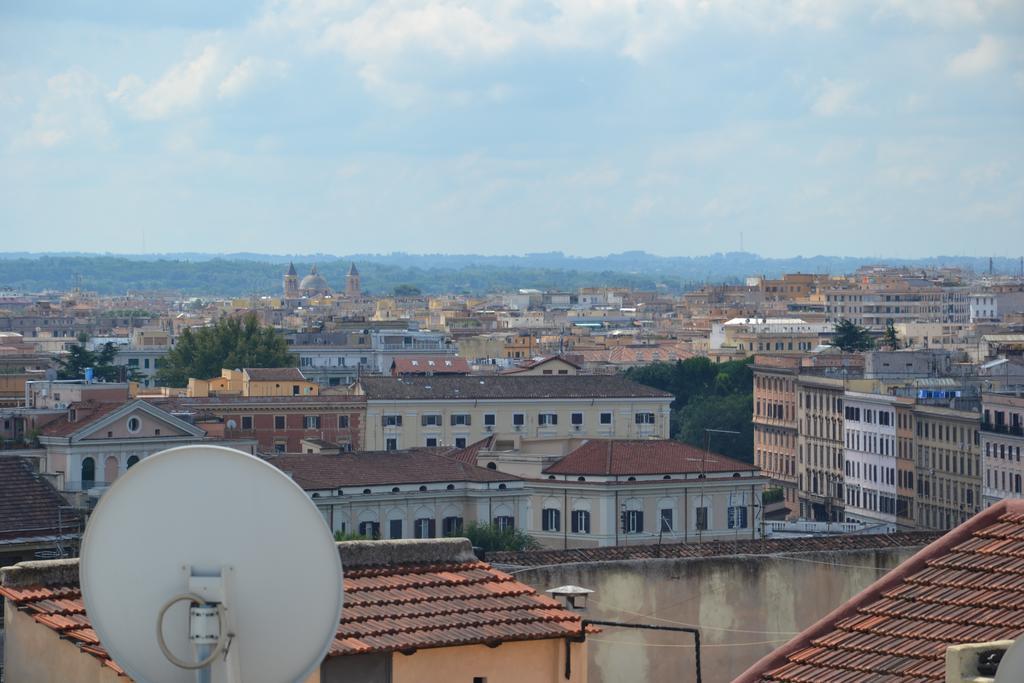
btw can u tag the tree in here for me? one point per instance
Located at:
(849, 336)
(732, 412)
(231, 343)
(490, 538)
(890, 338)
(80, 357)
(407, 290)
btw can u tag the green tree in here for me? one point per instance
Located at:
(230, 343)
(407, 290)
(732, 412)
(490, 538)
(890, 338)
(849, 336)
(80, 357)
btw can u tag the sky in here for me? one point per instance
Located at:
(785, 127)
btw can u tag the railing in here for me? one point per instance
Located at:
(806, 527)
(85, 485)
(1012, 430)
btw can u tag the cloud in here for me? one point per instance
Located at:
(248, 73)
(984, 56)
(834, 98)
(180, 88)
(70, 109)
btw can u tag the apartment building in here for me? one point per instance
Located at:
(820, 447)
(948, 465)
(906, 501)
(406, 412)
(769, 335)
(775, 423)
(869, 435)
(910, 300)
(1002, 435)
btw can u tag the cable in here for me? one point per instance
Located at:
(702, 627)
(180, 663)
(684, 646)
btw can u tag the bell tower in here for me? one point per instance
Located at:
(352, 281)
(291, 283)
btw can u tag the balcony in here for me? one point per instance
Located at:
(1011, 430)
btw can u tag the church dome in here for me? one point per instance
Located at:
(314, 282)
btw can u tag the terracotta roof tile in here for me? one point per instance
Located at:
(392, 608)
(966, 587)
(643, 456)
(469, 387)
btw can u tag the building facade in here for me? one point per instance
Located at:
(820, 448)
(948, 444)
(1002, 435)
(775, 423)
(869, 434)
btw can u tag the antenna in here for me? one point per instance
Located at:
(204, 563)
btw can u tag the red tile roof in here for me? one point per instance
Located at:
(387, 609)
(610, 457)
(966, 587)
(88, 412)
(29, 504)
(469, 453)
(430, 365)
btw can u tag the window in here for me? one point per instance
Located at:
(462, 419)
(451, 526)
(738, 517)
(134, 424)
(702, 519)
(431, 442)
(551, 519)
(424, 528)
(505, 522)
(280, 447)
(247, 422)
(633, 521)
(131, 461)
(391, 420)
(581, 521)
(576, 418)
(343, 422)
(391, 444)
(460, 442)
(547, 419)
(644, 418)
(395, 528)
(369, 530)
(145, 363)
(667, 524)
(518, 419)
(489, 420)
(133, 362)
(606, 418)
(430, 420)
(311, 421)
(279, 422)
(295, 392)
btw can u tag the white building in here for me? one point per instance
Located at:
(1002, 436)
(869, 433)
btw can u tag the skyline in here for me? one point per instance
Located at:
(879, 130)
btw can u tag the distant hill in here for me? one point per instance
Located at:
(247, 273)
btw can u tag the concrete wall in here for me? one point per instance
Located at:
(536, 661)
(33, 652)
(745, 606)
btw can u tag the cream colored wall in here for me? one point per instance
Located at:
(412, 433)
(281, 388)
(33, 653)
(148, 428)
(535, 661)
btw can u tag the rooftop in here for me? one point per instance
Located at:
(505, 387)
(378, 468)
(399, 595)
(274, 374)
(965, 587)
(29, 504)
(614, 457)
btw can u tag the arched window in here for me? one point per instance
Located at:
(450, 487)
(423, 488)
(395, 489)
(581, 521)
(132, 460)
(88, 473)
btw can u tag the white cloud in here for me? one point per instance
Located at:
(834, 98)
(70, 109)
(984, 56)
(248, 73)
(180, 88)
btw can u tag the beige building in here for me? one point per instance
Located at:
(254, 382)
(948, 446)
(820, 447)
(1002, 436)
(459, 410)
(598, 492)
(775, 423)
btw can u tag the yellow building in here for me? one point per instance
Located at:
(252, 382)
(459, 410)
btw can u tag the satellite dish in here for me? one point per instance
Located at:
(206, 555)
